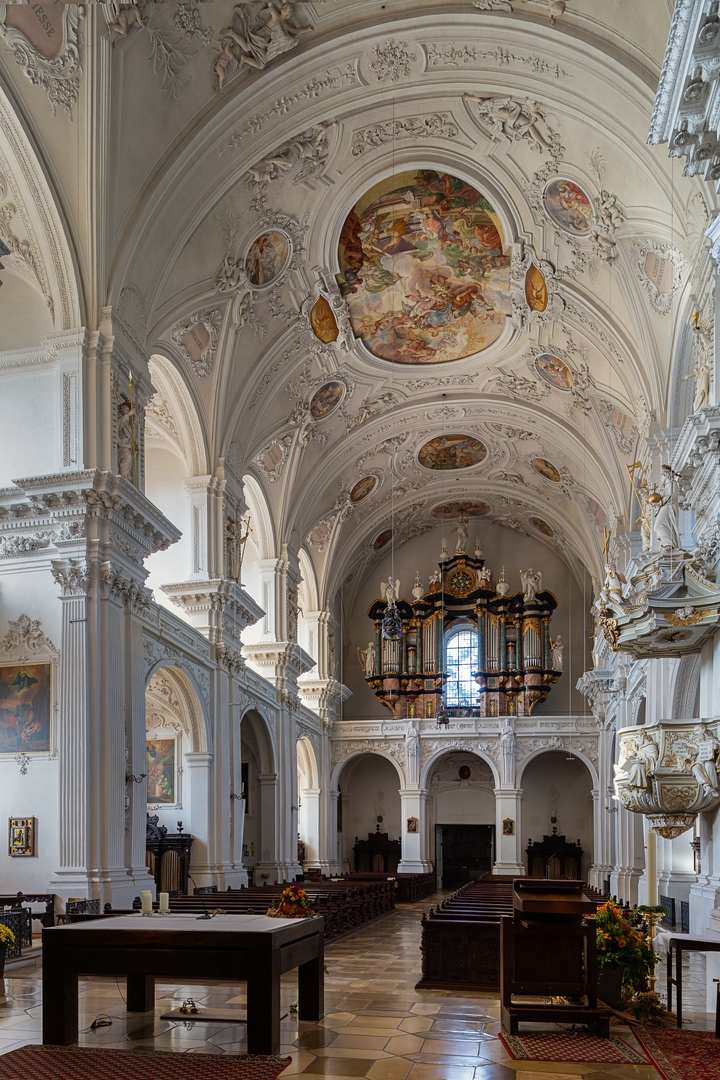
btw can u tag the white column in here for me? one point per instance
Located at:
(414, 859)
(508, 846)
(199, 767)
(311, 822)
(630, 859)
(266, 864)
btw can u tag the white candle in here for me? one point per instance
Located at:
(146, 902)
(164, 899)
(651, 869)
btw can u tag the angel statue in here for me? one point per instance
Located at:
(366, 658)
(462, 535)
(531, 583)
(390, 591)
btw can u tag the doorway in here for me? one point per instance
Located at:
(463, 853)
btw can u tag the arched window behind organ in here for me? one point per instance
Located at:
(460, 661)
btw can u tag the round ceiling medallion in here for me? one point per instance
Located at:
(545, 468)
(452, 452)
(267, 257)
(542, 526)
(382, 539)
(363, 488)
(553, 371)
(569, 207)
(326, 399)
(423, 269)
(455, 509)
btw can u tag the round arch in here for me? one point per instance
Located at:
(463, 747)
(189, 698)
(263, 737)
(579, 754)
(372, 750)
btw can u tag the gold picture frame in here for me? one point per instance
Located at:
(21, 837)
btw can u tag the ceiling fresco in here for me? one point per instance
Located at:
(424, 270)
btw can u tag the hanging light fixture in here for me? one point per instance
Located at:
(392, 621)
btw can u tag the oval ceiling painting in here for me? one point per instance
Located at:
(382, 539)
(545, 468)
(452, 452)
(326, 399)
(423, 269)
(267, 258)
(363, 488)
(553, 371)
(542, 526)
(455, 509)
(323, 322)
(536, 292)
(569, 207)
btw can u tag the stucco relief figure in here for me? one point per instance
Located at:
(366, 658)
(516, 120)
(507, 749)
(642, 757)
(390, 591)
(701, 347)
(705, 767)
(126, 16)
(556, 653)
(666, 532)
(531, 583)
(278, 16)
(126, 445)
(556, 8)
(412, 744)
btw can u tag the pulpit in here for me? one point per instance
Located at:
(167, 856)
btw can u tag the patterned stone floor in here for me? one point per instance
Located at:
(377, 1025)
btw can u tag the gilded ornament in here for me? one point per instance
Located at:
(323, 321)
(680, 618)
(536, 291)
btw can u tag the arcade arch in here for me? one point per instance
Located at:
(260, 785)
(557, 792)
(370, 785)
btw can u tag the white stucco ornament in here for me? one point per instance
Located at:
(668, 771)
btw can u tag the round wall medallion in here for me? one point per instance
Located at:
(455, 509)
(569, 207)
(382, 539)
(452, 452)
(267, 257)
(553, 371)
(423, 269)
(326, 399)
(363, 488)
(545, 468)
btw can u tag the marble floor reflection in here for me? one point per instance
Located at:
(377, 1025)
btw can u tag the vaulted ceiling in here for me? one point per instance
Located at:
(522, 273)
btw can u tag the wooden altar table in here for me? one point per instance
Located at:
(252, 948)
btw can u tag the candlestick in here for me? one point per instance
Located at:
(164, 903)
(651, 869)
(146, 902)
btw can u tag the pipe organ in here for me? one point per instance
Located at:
(512, 668)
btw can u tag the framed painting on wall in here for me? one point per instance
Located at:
(21, 836)
(161, 770)
(25, 696)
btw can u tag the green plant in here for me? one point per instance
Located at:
(622, 943)
(647, 1008)
(6, 936)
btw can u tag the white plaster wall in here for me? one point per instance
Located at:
(163, 474)
(549, 782)
(501, 546)
(370, 786)
(24, 316)
(32, 420)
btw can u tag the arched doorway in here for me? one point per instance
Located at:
(178, 775)
(461, 817)
(308, 804)
(557, 794)
(260, 786)
(370, 786)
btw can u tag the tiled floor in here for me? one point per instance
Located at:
(377, 1025)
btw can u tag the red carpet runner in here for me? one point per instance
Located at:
(87, 1063)
(562, 1046)
(682, 1055)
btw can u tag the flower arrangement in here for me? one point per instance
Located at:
(6, 936)
(293, 903)
(621, 942)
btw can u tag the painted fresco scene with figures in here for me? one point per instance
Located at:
(424, 269)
